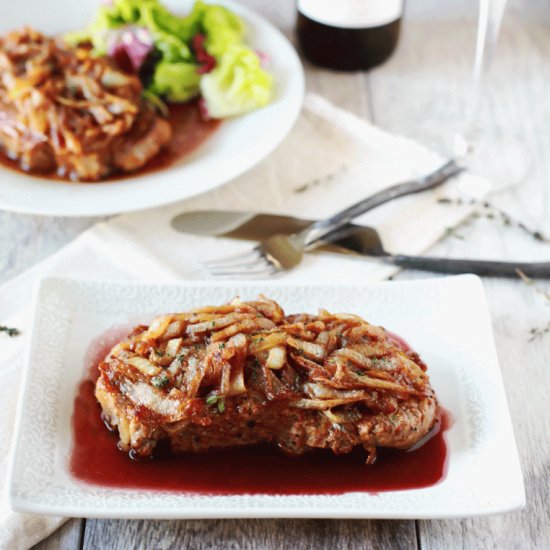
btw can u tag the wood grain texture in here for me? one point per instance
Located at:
(432, 68)
(526, 378)
(421, 92)
(252, 534)
(26, 240)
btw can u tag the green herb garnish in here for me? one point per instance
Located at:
(160, 381)
(10, 331)
(212, 399)
(216, 400)
(538, 332)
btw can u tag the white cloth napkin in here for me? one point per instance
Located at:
(330, 160)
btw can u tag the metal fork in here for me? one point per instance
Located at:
(283, 252)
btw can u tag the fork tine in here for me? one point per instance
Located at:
(262, 265)
(234, 259)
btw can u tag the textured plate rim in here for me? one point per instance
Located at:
(515, 500)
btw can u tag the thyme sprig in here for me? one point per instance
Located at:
(451, 232)
(320, 181)
(530, 282)
(536, 332)
(539, 332)
(10, 331)
(485, 209)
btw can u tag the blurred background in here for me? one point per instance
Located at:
(422, 92)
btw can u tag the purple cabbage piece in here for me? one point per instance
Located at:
(134, 43)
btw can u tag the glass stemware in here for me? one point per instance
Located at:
(500, 157)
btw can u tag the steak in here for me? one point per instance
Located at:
(63, 110)
(245, 373)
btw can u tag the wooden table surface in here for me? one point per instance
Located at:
(419, 93)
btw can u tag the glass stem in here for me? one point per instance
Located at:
(489, 22)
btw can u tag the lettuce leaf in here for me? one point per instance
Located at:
(222, 28)
(237, 85)
(168, 30)
(177, 81)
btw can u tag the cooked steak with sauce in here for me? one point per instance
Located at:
(64, 111)
(244, 373)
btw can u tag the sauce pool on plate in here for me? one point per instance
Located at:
(95, 459)
(190, 131)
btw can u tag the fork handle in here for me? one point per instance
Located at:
(320, 228)
(488, 268)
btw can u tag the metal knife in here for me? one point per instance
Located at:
(257, 227)
(350, 239)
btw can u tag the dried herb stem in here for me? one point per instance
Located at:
(545, 294)
(485, 209)
(536, 332)
(451, 232)
(319, 181)
(539, 332)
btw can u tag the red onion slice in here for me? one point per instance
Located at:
(132, 44)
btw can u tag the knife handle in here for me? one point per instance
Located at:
(536, 270)
(320, 228)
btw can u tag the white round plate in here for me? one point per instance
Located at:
(233, 149)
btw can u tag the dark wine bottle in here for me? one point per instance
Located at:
(348, 35)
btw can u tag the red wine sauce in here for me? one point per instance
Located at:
(96, 459)
(189, 132)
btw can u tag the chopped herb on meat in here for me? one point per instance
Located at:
(160, 381)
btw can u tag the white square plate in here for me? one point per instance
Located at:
(446, 320)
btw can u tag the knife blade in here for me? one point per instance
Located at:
(256, 227)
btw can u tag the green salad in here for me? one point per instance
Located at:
(201, 54)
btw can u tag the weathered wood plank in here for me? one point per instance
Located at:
(354, 96)
(67, 537)
(26, 240)
(422, 93)
(526, 376)
(253, 534)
